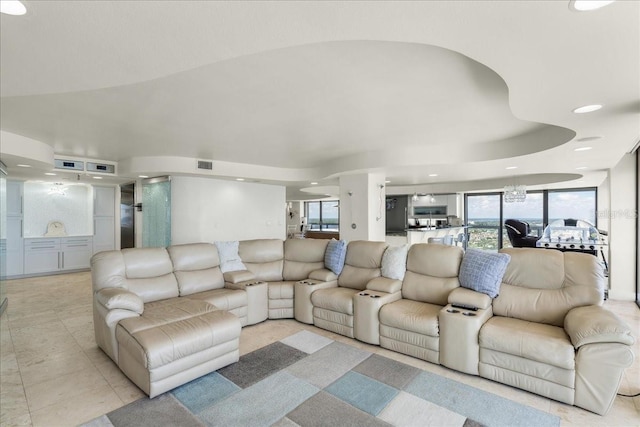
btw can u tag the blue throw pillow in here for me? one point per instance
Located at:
(334, 255)
(482, 271)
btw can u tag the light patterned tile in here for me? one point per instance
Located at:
(80, 409)
(63, 388)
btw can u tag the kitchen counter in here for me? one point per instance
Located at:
(422, 234)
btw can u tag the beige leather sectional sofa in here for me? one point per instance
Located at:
(167, 316)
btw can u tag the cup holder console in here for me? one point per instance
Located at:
(364, 294)
(374, 296)
(453, 311)
(469, 314)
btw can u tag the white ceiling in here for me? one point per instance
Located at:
(294, 92)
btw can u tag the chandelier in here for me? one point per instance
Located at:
(515, 193)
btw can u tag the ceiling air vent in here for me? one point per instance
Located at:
(205, 164)
(100, 167)
(72, 165)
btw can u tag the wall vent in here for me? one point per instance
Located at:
(205, 164)
(68, 164)
(100, 167)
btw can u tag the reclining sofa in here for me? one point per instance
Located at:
(168, 316)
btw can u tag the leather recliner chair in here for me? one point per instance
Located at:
(518, 232)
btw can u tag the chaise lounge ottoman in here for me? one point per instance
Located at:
(175, 341)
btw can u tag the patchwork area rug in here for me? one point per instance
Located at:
(309, 380)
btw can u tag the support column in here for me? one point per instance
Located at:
(362, 207)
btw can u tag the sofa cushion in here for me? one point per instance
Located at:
(394, 262)
(224, 299)
(413, 316)
(168, 342)
(263, 257)
(530, 291)
(529, 340)
(335, 299)
(229, 258)
(334, 255)
(482, 271)
(303, 256)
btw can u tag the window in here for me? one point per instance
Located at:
(323, 215)
(576, 204)
(531, 211)
(485, 213)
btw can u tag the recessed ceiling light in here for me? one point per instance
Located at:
(587, 108)
(582, 149)
(433, 174)
(587, 5)
(511, 167)
(143, 176)
(239, 179)
(97, 177)
(50, 173)
(314, 183)
(23, 166)
(12, 7)
(579, 168)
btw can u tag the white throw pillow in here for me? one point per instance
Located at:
(229, 258)
(394, 262)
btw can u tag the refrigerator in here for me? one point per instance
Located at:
(397, 210)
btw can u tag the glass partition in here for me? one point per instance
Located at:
(156, 212)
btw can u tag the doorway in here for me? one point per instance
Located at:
(127, 213)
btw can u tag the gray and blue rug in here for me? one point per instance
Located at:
(310, 380)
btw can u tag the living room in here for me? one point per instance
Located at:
(254, 108)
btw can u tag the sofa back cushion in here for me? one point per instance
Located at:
(263, 257)
(302, 256)
(542, 285)
(432, 272)
(196, 267)
(149, 273)
(362, 263)
(108, 270)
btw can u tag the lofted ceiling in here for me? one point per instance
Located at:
(439, 96)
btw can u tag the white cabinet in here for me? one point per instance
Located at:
(14, 247)
(104, 226)
(50, 255)
(14, 198)
(41, 255)
(14, 244)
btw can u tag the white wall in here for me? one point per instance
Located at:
(74, 209)
(206, 210)
(622, 221)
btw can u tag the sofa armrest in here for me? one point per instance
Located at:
(595, 324)
(323, 275)
(469, 297)
(119, 298)
(384, 284)
(238, 276)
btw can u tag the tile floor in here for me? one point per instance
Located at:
(52, 373)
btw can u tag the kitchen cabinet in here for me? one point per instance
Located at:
(14, 198)
(50, 255)
(104, 230)
(13, 246)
